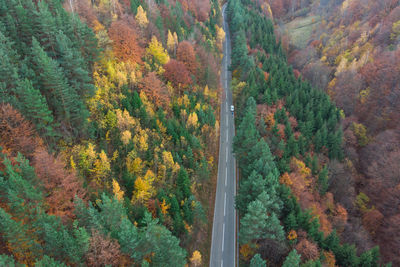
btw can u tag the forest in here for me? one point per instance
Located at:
(352, 53)
(109, 131)
(108, 128)
(293, 199)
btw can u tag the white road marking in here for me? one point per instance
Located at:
(226, 176)
(225, 203)
(222, 263)
(226, 154)
(227, 138)
(223, 236)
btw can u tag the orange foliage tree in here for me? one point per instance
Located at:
(155, 89)
(16, 134)
(60, 184)
(125, 41)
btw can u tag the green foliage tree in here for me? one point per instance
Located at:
(292, 260)
(257, 261)
(63, 99)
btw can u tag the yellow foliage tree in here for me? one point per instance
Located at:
(126, 137)
(141, 141)
(285, 179)
(246, 251)
(149, 105)
(192, 120)
(220, 36)
(157, 51)
(292, 235)
(164, 207)
(195, 260)
(118, 193)
(168, 159)
(144, 189)
(360, 131)
(141, 17)
(171, 42)
(102, 168)
(124, 120)
(134, 165)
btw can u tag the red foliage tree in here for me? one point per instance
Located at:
(125, 41)
(177, 74)
(187, 56)
(60, 184)
(103, 251)
(155, 89)
(207, 72)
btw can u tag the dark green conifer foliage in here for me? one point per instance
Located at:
(257, 261)
(292, 260)
(323, 181)
(73, 66)
(63, 99)
(34, 106)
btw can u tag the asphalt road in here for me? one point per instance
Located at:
(223, 245)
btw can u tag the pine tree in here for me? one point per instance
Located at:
(247, 135)
(46, 261)
(34, 106)
(8, 65)
(257, 261)
(250, 188)
(47, 28)
(74, 66)
(6, 260)
(253, 224)
(370, 258)
(158, 242)
(314, 165)
(62, 98)
(323, 181)
(183, 185)
(292, 260)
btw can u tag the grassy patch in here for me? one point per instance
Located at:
(300, 30)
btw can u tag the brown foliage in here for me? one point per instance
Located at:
(17, 134)
(381, 110)
(307, 249)
(388, 241)
(177, 74)
(187, 56)
(61, 185)
(208, 69)
(372, 220)
(155, 89)
(125, 41)
(103, 251)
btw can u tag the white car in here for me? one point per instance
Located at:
(232, 108)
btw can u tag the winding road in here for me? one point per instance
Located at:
(223, 245)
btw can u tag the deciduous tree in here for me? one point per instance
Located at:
(187, 56)
(177, 74)
(125, 42)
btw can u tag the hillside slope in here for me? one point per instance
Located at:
(353, 55)
(289, 146)
(108, 131)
